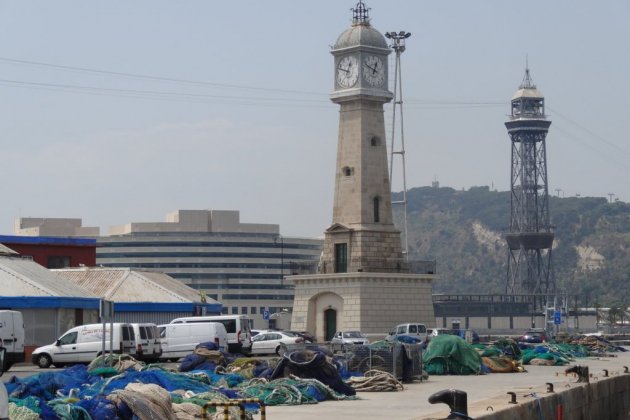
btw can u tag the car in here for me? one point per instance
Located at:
(342, 339)
(308, 337)
(269, 342)
(534, 336)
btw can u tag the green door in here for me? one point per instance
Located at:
(330, 324)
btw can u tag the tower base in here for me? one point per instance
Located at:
(373, 303)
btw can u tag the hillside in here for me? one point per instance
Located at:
(463, 231)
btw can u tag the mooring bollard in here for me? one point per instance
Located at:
(456, 400)
(512, 398)
(580, 371)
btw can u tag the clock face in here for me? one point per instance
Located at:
(347, 71)
(374, 70)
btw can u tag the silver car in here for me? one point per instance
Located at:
(342, 339)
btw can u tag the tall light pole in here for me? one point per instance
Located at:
(398, 45)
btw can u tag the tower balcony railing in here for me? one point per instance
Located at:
(367, 265)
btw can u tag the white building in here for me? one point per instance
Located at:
(241, 265)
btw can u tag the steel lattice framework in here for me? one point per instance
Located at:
(530, 236)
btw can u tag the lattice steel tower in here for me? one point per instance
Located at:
(530, 237)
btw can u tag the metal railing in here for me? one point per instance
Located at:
(371, 265)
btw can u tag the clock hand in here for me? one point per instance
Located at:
(342, 69)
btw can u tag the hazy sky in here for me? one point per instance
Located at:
(120, 111)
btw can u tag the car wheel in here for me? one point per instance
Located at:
(43, 361)
(281, 349)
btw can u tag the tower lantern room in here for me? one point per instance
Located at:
(528, 102)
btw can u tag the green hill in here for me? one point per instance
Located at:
(463, 231)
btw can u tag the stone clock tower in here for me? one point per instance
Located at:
(362, 236)
(363, 282)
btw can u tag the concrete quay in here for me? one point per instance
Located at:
(487, 394)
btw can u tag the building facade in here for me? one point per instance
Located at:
(241, 265)
(53, 252)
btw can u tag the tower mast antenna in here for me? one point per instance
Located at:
(398, 45)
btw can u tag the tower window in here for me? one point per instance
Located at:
(375, 141)
(377, 210)
(341, 258)
(347, 171)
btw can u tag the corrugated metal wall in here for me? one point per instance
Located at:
(153, 317)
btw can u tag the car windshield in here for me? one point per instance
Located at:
(352, 334)
(289, 334)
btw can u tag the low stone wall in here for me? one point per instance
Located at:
(606, 398)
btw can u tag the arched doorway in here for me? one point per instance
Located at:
(330, 323)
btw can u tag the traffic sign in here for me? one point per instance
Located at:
(266, 315)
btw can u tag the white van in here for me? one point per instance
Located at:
(148, 344)
(83, 344)
(179, 340)
(12, 336)
(237, 327)
(412, 329)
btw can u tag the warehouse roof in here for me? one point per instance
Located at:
(130, 285)
(24, 277)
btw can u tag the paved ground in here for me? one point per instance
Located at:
(483, 391)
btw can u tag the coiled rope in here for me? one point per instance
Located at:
(375, 380)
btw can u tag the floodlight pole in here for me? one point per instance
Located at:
(398, 45)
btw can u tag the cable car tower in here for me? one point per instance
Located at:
(398, 45)
(530, 236)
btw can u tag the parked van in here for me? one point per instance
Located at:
(237, 326)
(179, 340)
(413, 329)
(148, 343)
(12, 337)
(83, 344)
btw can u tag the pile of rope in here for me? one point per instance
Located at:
(376, 381)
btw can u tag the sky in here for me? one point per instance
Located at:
(118, 111)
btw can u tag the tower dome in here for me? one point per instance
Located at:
(361, 32)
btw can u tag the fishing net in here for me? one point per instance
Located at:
(451, 355)
(20, 412)
(146, 401)
(501, 364)
(315, 365)
(290, 391)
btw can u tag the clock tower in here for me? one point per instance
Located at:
(362, 236)
(363, 281)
